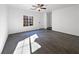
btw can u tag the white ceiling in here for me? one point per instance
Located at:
(49, 7)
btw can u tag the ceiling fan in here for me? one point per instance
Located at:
(38, 7)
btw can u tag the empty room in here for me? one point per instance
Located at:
(39, 28)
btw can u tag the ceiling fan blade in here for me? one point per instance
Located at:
(42, 5)
(43, 8)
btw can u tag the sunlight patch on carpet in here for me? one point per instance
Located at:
(23, 47)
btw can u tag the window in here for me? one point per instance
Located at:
(27, 20)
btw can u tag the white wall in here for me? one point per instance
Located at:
(49, 19)
(45, 20)
(66, 20)
(15, 19)
(3, 26)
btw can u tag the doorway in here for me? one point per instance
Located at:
(49, 20)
